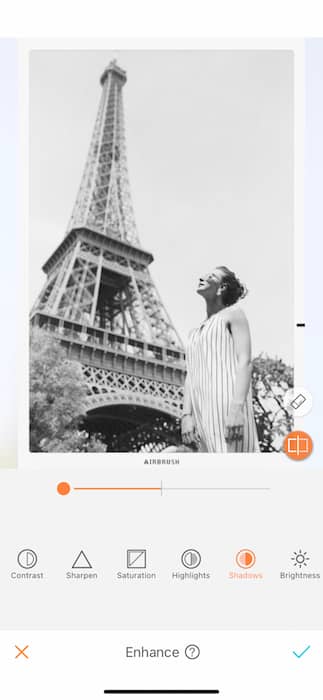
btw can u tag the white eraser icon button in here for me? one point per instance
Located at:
(298, 401)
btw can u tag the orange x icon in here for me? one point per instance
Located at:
(21, 652)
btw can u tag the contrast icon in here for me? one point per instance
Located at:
(81, 561)
(300, 558)
(191, 558)
(136, 559)
(298, 445)
(192, 651)
(246, 558)
(27, 558)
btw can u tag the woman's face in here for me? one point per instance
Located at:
(208, 284)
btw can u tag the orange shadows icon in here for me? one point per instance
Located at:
(21, 652)
(246, 558)
(298, 445)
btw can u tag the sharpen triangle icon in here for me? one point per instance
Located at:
(81, 561)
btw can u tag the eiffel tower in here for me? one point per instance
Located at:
(100, 300)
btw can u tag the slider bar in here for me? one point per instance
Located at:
(117, 488)
(162, 692)
(216, 488)
(171, 488)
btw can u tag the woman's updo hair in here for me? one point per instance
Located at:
(233, 288)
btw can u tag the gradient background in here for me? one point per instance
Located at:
(313, 183)
(9, 260)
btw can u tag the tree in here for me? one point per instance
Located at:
(271, 379)
(57, 399)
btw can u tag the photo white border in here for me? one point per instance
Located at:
(30, 460)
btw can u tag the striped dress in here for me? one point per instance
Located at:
(211, 372)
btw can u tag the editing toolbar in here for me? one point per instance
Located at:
(137, 560)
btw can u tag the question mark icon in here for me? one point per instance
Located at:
(192, 651)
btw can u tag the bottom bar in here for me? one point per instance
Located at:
(162, 692)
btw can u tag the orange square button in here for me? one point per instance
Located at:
(298, 445)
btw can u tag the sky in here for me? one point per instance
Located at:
(210, 156)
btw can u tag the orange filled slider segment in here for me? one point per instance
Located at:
(117, 488)
(64, 488)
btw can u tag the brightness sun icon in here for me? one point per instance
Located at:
(300, 558)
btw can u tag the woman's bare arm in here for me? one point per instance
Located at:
(188, 424)
(239, 328)
(240, 332)
(187, 401)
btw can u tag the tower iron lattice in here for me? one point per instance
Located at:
(100, 301)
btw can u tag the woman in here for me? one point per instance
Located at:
(217, 412)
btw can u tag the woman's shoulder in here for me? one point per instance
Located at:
(234, 314)
(192, 333)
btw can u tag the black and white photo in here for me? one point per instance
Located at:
(161, 216)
